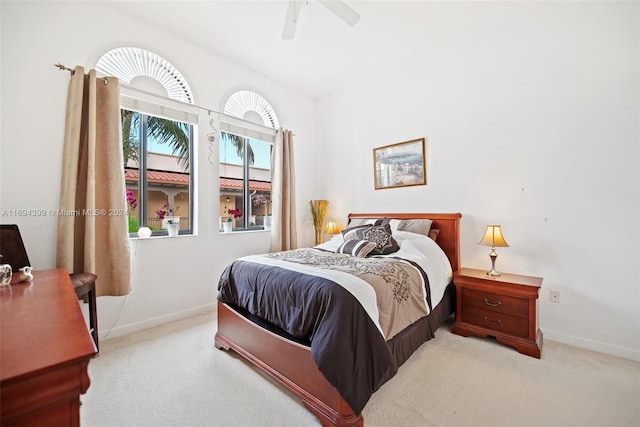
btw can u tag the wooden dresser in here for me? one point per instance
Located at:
(505, 307)
(45, 349)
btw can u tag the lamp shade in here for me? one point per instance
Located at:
(493, 237)
(332, 228)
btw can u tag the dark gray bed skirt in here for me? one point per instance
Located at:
(403, 344)
(406, 342)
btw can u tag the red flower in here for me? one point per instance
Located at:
(162, 212)
(234, 213)
(131, 200)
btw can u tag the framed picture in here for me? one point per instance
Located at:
(400, 165)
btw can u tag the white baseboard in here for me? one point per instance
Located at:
(613, 350)
(160, 320)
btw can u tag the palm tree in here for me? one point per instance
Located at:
(238, 142)
(173, 133)
(130, 143)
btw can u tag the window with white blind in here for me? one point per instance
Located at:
(157, 139)
(245, 150)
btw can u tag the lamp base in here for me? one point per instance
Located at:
(493, 255)
(493, 272)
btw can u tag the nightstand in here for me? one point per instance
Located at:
(505, 307)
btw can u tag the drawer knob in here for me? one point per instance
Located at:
(493, 304)
(497, 322)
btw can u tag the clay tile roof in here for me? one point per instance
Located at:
(236, 184)
(159, 177)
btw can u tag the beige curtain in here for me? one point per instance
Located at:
(94, 236)
(283, 193)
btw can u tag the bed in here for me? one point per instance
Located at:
(349, 352)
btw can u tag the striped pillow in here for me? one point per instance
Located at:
(352, 232)
(357, 248)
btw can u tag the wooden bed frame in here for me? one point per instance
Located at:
(291, 363)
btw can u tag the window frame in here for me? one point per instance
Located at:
(233, 121)
(146, 109)
(247, 200)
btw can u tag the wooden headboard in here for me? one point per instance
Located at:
(447, 223)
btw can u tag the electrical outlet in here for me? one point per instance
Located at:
(555, 296)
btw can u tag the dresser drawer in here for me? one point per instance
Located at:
(499, 322)
(498, 303)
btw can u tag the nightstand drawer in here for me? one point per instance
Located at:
(498, 303)
(505, 307)
(498, 322)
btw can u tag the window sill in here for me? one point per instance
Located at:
(244, 231)
(133, 237)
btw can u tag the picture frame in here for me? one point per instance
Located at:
(400, 165)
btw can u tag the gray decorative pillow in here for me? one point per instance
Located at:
(357, 248)
(360, 221)
(351, 232)
(380, 235)
(382, 221)
(419, 226)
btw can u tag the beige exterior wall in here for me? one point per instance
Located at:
(161, 194)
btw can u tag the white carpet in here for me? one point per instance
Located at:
(173, 376)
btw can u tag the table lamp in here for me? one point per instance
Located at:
(332, 228)
(493, 237)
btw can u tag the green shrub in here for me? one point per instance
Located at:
(133, 224)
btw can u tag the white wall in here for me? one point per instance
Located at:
(172, 278)
(531, 115)
(530, 111)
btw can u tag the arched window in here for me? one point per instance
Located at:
(157, 141)
(131, 64)
(245, 161)
(246, 104)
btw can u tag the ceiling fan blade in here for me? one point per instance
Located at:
(342, 11)
(290, 21)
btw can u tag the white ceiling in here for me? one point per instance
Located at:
(325, 54)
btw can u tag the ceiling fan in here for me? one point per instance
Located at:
(338, 7)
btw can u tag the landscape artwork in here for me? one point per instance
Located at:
(400, 165)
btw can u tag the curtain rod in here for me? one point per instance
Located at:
(63, 68)
(208, 110)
